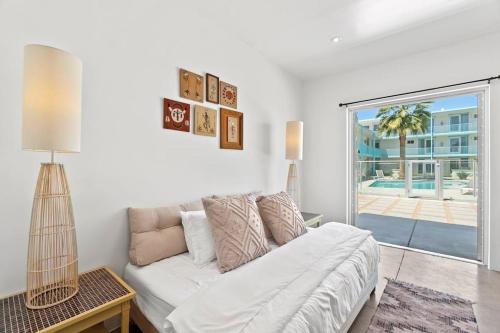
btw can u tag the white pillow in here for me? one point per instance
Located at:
(198, 234)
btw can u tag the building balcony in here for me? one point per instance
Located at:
(440, 130)
(455, 128)
(368, 151)
(464, 151)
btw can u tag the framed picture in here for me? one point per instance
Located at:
(191, 85)
(228, 95)
(212, 84)
(231, 129)
(205, 121)
(176, 115)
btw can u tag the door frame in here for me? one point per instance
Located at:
(483, 125)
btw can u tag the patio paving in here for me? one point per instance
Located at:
(450, 239)
(446, 227)
(451, 212)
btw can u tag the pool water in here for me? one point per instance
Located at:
(420, 184)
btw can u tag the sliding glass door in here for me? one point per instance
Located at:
(417, 170)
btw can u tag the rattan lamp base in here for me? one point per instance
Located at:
(52, 251)
(293, 184)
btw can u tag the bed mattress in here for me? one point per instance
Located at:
(164, 285)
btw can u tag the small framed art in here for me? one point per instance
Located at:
(191, 85)
(176, 115)
(205, 120)
(212, 85)
(231, 129)
(228, 95)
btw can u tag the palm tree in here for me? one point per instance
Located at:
(403, 120)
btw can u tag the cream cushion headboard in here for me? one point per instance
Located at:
(157, 233)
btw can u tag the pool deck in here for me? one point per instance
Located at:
(444, 211)
(454, 194)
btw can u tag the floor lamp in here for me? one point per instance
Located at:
(294, 130)
(51, 122)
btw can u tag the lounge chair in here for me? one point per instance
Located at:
(379, 174)
(469, 189)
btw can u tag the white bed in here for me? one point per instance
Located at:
(177, 283)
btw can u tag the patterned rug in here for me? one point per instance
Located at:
(405, 307)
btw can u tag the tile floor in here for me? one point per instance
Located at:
(466, 280)
(453, 212)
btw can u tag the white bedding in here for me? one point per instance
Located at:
(312, 284)
(163, 285)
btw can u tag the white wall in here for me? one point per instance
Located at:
(131, 51)
(324, 164)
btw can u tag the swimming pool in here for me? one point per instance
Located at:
(420, 184)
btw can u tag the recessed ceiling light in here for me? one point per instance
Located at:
(335, 39)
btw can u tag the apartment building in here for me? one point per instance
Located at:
(450, 137)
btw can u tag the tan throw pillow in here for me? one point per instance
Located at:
(281, 216)
(255, 194)
(157, 233)
(237, 229)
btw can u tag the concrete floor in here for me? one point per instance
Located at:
(462, 279)
(453, 212)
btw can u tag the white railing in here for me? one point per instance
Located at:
(436, 151)
(453, 129)
(454, 179)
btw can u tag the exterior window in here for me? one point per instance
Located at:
(428, 167)
(410, 142)
(454, 123)
(454, 165)
(428, 146)
(377, 144)
(454, 145)
(464, 163)
(375, 127)
(464, 117)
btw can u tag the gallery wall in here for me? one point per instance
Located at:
(325, 122)
(131, 53)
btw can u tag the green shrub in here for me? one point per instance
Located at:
(462, 175)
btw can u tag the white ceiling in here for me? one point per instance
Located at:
(295, 34)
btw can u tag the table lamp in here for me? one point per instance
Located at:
(294, 130)
(51, 122)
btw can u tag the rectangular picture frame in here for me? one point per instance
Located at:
(176, 115)
(191, 85)
(231, 129)
(228, 95)
(212, 88)
(205, 121)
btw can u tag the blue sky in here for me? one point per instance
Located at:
(448, 103)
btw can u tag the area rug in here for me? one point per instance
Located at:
(405, 307)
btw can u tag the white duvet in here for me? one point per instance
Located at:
(307, 285)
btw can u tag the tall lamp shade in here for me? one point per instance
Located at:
(294, 134)
(51, 122)
(52, 99)
(294, 131)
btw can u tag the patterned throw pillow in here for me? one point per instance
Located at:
(281, 216)
(237, 228)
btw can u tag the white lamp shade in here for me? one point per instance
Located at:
(52, 99)
(294, 130)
